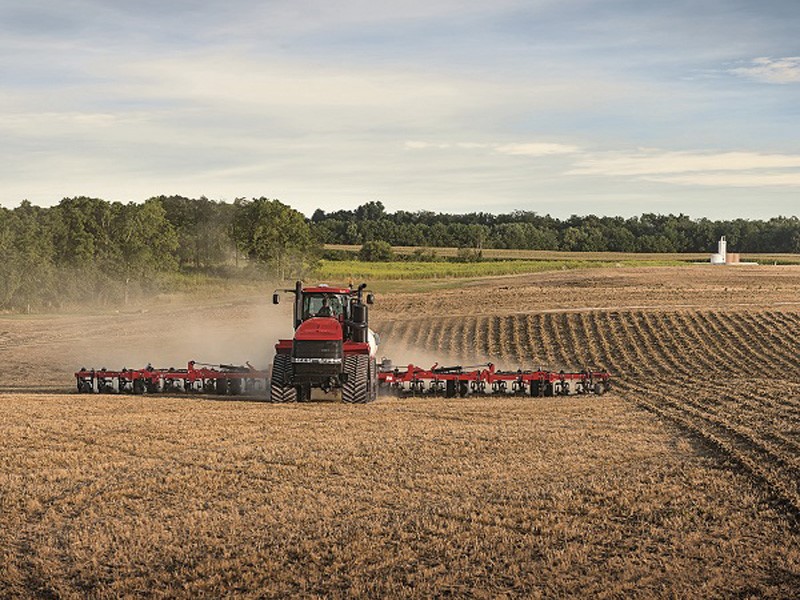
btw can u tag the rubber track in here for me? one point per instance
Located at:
(356, 390)
(281, 366)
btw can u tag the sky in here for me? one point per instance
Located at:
(607, 107)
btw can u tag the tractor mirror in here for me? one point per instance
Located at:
(370, 299)
(276, 298)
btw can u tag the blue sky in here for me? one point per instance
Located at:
(556, 106)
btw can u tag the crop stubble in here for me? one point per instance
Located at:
(680, 365)
(591, 496)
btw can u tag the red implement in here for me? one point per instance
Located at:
(195, 378)
(486, 379)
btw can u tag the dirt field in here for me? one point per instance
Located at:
(684, 482)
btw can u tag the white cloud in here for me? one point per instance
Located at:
(536, 149)
(50, 123)
(721, 169)
(415, 145)
(726, 169)
(652, 162)
(771, 70)
(518, 149)
(754, 180)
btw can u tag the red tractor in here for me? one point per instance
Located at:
(333, 346)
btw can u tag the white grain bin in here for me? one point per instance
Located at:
(720, 258)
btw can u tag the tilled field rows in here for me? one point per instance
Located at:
(729, 378)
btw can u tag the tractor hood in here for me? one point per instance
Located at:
(319, 328)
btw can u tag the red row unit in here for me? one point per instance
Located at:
(195, 378)
(485, 379)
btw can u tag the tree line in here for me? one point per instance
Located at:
(89, 250)
(92, 250)
(526, 230)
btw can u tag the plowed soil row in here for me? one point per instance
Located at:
(729, 378)
(697, 286)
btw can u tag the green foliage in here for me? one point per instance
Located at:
(469, 255)
(376, 251)
(203, 228)
(328, 254)
(88, 250)
(82, 250)
(147, 240)
(276, 236)
(424, 255)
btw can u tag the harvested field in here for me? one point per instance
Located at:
(730, 379)
(685, 481)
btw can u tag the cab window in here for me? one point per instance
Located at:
(312, 303)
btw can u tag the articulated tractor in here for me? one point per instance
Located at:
(333, 346)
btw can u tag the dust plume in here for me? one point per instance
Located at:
(46, 350)
(231, 332)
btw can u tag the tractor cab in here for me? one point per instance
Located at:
(325, 304)
(345, 304)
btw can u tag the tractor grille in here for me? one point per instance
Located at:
(316, 360)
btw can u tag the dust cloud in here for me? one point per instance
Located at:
(229, 333)
(46, 350)
(402, 355)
